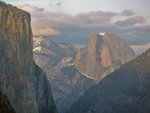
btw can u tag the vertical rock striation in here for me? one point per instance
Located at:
(70, 79)
(56, 59)
(124, 91)
(24, 83)
(104, 53)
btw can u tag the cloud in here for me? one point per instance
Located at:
(45, 31)
(59, 3)
(96, 17)
(40, 20)
(128, 12)
(56, 6)
(76, 29)
(31, 9)
(131, 21)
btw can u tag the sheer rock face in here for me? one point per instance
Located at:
(47, 53)
(5, 106)
(56, 59)
(124, 91)
(24, 83)
(104, 53)
(67, 78)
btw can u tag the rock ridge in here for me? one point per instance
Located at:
(21, 80)
(104, 53)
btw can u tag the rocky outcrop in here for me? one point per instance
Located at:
(56, 59)
(70, 78)
(104, 53)
(47, 53)
(21, 80)
(124, 91)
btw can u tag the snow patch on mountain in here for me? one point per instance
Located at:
(88, 76)
(102, 34)
(37, 40)
(65, 62)
(42, 50)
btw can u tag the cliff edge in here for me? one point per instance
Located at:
(24, 83)
(104, 53)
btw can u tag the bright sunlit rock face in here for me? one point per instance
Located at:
(21, 80)
(104, 53)
(101, 75)
(58, 63)
(119, 92)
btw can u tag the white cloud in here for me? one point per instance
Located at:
(77, 28)
(77, 6)
(40, 21)
(134, 20)
(45, 31)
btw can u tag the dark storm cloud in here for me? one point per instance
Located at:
(76, 29)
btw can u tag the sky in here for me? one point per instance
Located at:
(72, 21)
(77, 6)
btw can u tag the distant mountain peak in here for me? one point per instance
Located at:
(124, 91)
(39, 40)
(104, 53)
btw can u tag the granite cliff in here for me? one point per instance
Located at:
(47, 54)
(104, 53)
(124, 91)
(64, 65)
(5, 106)
(56, 59)
(21, 80)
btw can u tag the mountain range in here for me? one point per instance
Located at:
(68, 84)
(71, 72)
(124, 91)
(104, 53)
(103, 77)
